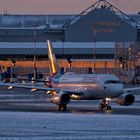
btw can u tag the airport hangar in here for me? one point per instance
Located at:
(102, 36)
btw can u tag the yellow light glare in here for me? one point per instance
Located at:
(33, 90)
(75, 97)
(10, 87)
(48, 92)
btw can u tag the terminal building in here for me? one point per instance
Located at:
(102, 36)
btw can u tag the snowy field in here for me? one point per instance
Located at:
(67, 126)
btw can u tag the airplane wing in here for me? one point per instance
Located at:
(133, 90)
(33, 88)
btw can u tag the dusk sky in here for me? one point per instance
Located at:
(62, 6)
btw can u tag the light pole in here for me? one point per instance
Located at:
(35, 69)
(13, 62)
(94, 48)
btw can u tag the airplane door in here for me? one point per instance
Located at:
(108, 88)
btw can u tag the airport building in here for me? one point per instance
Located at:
(102, 36)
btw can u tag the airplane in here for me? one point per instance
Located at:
(70, 86)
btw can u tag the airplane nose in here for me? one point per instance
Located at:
(114, 89)
(117, 89)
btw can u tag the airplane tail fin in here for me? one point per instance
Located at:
(54, 68)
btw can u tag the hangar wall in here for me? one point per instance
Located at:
(102, 25)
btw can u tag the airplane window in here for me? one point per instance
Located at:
(112, 82)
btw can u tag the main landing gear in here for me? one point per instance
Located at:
(62, 107)
(105, 104)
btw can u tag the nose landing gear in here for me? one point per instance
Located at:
(105, 104)
(62, 107)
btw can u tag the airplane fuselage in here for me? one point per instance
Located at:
(92, 86)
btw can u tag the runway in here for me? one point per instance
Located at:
(30, 116)
(23, 100)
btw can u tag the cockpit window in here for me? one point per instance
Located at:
(112, 82)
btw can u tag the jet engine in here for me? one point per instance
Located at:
(126, 99)
(60, 98)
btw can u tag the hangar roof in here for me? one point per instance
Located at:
(42, 21)
(28, 21)
(67, 48)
